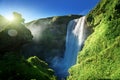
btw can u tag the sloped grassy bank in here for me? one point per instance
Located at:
(100, 57)
(15, 67)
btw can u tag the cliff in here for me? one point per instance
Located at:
(100, 56)
(49, 36)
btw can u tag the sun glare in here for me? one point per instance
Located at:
(9, 18)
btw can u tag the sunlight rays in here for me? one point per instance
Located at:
(10, 18)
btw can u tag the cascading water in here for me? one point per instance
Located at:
(76, 35)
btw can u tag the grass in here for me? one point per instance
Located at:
(100, 57)
(14, 66)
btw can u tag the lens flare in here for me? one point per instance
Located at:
(12, 32)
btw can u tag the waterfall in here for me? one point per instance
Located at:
(76, 35)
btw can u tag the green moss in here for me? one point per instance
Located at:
(14, 66)
(13, 35)
(100, 57)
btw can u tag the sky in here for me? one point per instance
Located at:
(36, 9)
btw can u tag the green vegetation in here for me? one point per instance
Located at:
(100, 57)
(14, 66)
(18, 17)
(13, 35)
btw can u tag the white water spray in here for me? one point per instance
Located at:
(76, 35)
(36, 31)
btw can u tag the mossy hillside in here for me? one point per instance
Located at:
(52, 38)
(3, 22)
(14, 66)
(104, 10)
(13, 35)
(100, 57)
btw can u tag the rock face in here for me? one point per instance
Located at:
(49, 36)
(100, 56)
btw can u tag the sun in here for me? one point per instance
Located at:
(9, 18)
